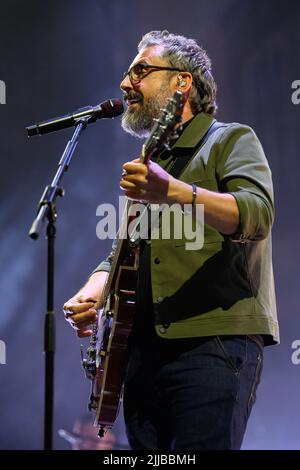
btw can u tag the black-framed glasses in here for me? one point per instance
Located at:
(139, 71)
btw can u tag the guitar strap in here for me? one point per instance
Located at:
(181, 162)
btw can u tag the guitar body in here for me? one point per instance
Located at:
(115, 322)
(106, 355)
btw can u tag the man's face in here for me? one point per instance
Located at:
(147, 96)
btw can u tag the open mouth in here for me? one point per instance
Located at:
(132, 102)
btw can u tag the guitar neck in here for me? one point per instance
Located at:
(159, 136)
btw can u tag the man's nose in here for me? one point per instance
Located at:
(126, 84)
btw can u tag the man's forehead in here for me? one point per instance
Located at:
(151, 54)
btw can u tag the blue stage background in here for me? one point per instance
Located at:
(57, 56)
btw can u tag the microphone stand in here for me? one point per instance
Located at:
(47, 211)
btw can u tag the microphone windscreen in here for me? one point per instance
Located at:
(112, 108)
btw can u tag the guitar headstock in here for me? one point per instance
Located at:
(164, 128)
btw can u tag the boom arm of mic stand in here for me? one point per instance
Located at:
(52, 191)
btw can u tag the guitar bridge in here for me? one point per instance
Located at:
(89, 363)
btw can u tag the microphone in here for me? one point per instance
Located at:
(107, 109)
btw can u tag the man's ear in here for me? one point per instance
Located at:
(183, 82)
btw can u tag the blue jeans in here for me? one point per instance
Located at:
(191, 394)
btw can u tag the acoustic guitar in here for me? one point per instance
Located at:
(106, 354)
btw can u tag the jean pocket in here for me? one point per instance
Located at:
(256, 380)
(234, 350)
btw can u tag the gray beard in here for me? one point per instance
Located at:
(138, 121)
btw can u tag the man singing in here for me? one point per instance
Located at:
(202, 316)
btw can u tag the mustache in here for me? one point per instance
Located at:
(132, 95)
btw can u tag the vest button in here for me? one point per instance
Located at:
(157, 261)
